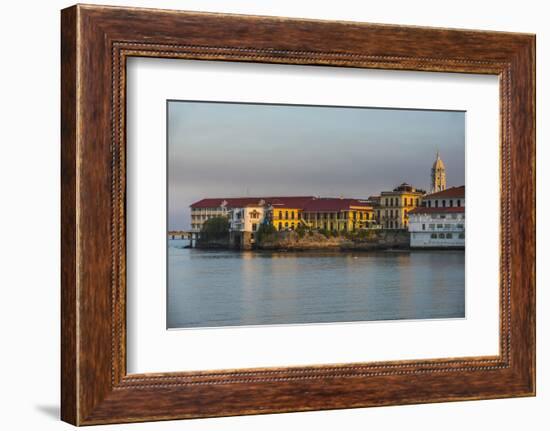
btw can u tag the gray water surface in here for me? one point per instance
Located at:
(209, 288)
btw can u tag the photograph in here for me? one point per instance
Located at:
(282, 214)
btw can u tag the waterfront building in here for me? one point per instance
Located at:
(244, 222)
(247, 218)
(440, 221)
(206, 209)
(374, 202)
(439, 175)
(338, 214)
(395, 206)
(286, 212)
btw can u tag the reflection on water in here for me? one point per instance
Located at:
(225, 288)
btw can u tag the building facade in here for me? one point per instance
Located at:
(244, 222)
(338, 214)
(394, 206)
(205, 209)
(440, 221)
(247, 218)
(286, 213)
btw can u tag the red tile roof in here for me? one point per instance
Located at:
(231, 202)
(432, 210)
(307, 203)
(288, 201)
(451, 192)
(334, 204)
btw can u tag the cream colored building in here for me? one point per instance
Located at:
(205, 209)
(247, 218)
(395, 205)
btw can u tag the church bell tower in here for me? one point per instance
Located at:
(439, 178)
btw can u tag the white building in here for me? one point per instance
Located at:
(247, 218)
(205, 209)
(440, 221)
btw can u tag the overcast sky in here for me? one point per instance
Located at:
(231, 150)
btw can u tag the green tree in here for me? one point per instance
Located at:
(215, 228)
(264, 230)
(301, 230)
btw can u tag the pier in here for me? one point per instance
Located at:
(192, 236)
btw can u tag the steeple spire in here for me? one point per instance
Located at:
(439, 177)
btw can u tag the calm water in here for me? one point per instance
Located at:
(227, 288)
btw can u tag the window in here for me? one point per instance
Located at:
(286, 224)
(447, 226)
(458, 203)
(436, 203)
(451, 203)
(286, 217)
(432, 226)
(429, 204)
(449, 235)
(423, 226)
(280, 225)
(460, 226)
(280, 214)
(254, 227)
(443, 202)
(439, 226)
(433, 236)
(441, 235)
(442, 216)
(417, 202)
(461, 235)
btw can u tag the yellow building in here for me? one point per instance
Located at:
(286, 218)
(333, 214)
(394, 206)
(287, 212)
(338, 214)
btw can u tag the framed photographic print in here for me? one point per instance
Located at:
(266, 215)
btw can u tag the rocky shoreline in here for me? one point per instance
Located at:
(311, 240)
